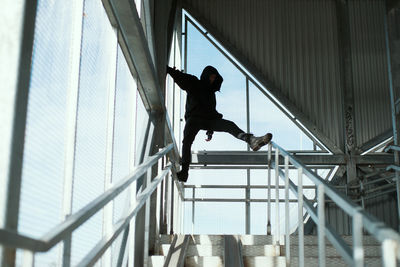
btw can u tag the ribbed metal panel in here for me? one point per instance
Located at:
(370, 76)
(384, 208)
(294, 45)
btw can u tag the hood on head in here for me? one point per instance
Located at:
(205, 76)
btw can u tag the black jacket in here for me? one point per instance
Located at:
(200, 101)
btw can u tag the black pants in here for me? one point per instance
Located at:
(194, 125)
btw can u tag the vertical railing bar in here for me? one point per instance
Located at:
(28, 259)
(321, 226)
(149, 175)
(389, 248)
(193, 208)
(171, 232)
(122, 249)
(148, 149)
(358, 249)
(362, 193)
(248, 210)
(166, 199)
(277, 217)
(162, 189)
(287, 219)
(300, 217)
(269, 190)
(393, 112)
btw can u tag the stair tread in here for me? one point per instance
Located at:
(263, 239)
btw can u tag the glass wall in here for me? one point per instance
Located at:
(76, 50)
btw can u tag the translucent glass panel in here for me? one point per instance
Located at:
(125, 115)
(266, 117)
(142, 123)
(216, 217)
(43, 162)
(98, 60)
(219, 218)
(231, 100)
(217, 177)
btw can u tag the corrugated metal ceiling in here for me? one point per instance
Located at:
(292, 47)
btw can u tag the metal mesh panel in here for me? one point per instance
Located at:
(85, 237)
(43, 163)
(98, 42)
(124, 105)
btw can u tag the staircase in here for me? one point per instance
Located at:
(257, 250)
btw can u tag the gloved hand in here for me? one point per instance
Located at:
(169, 69)
(209, 135)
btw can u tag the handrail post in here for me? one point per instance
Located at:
(300, 217)
(358, 250)
(277, 232)
(321, 225)
(269, 190)
(171, 231)
(28, 259)
(389, 248)
(287, 236)
(193, 208)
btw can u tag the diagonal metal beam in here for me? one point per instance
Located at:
(273, 89)
(125, 15)
(375, 141)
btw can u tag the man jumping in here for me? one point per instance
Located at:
(201, 114)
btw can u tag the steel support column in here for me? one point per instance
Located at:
(342, 9)
(17, 30)
(392, 34)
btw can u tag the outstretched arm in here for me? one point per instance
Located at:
(183, 80)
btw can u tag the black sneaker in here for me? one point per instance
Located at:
(182, 176)
(257, 142)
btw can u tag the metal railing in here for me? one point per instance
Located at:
(64, 230)
(387, 237)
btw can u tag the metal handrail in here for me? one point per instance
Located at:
(385, 235)
(58, 233)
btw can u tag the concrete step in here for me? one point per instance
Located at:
(196, 239)
(265, 250)
(156, 261)
(218, 250)
(313, 240)
(197, 250)
(263, 261)
(262, 240)
(330, 251)
(196, 261)
(334, 262)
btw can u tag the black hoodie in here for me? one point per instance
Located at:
(200, 101)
